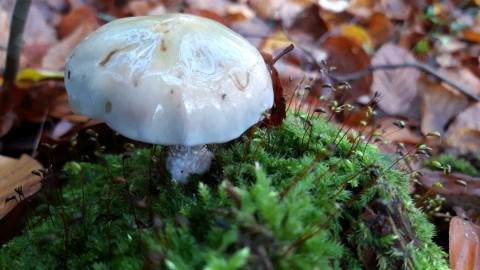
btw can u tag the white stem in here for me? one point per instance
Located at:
(185, 160)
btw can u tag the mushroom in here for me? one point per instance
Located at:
(178, 80)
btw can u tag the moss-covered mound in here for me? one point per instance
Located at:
(297, 197)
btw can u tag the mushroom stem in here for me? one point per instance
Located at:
(185, 160)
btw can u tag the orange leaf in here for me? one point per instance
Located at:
(464, 241)
(471, 35)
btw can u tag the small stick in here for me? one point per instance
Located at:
(418, 65)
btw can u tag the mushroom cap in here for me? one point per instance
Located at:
(174, 79)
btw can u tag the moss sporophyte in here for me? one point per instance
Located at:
(284, 204)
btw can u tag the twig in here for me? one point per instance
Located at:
(15, 41)
(424, 67)
(12, 62)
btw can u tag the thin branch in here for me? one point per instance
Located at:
(15, 41)
(12, 62)
(424, 67)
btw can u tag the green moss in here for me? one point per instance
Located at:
(295, 200)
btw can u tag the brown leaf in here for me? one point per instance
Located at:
(54, 59)
(464, 132)
(208, 14)
(218, 7)
(15, 173)
(472, 63)
(305, 29)
(74, 18)
(308, 26)
(380, 29)
(347, 56)
(464, 140)
(398, 87)
(59, 107)
(451, 187)
(464, 77)
(36, 101)
(464, 245)
(439, 105)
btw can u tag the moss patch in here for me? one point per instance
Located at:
(296, 197)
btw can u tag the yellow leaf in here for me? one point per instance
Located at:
(277, 40)
(38, 74)
(359, 34)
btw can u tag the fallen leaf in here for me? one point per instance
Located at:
(464, 78)
(464, 132)
(460, 192)
(35, 75)
(464, 245)
(471, 35)
(451, 188)
(206, 13)
(307, 26)
(54, 59)
(396, 9)
(218, 7)
(277, 40)
(472, 63)
(439, 105)
(16, 173)
(278, 9)
(464, 140)
(362, 8)
(139, 7)
(380, 29)
(346, 56)
(398, 87)
(38, 37)
(59, 107)
(250, 30)
(36, 101)
(357, 33)
(305, 30)
(77, 16)
(238, 12)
